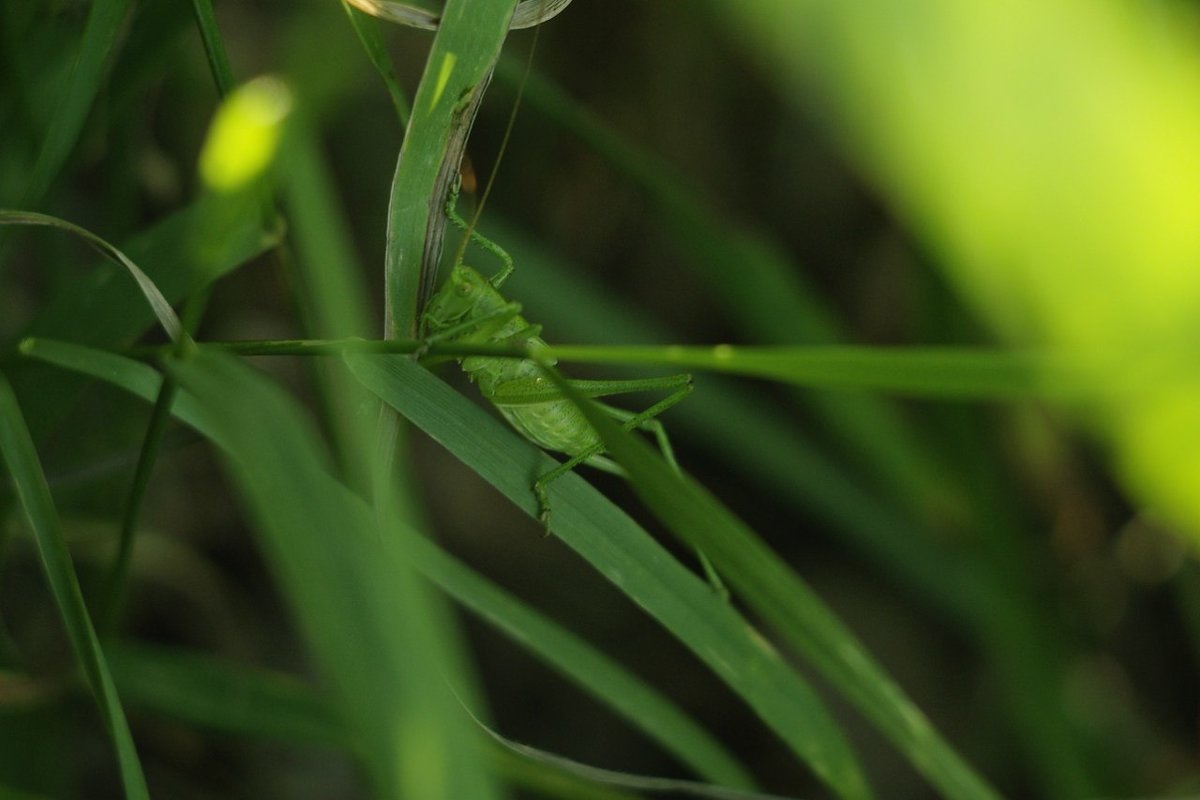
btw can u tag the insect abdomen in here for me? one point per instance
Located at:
(555, 425)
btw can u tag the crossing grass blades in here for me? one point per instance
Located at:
(470, 309)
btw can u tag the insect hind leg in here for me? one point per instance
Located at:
(651, 426)
(629, 421)
(655, 427)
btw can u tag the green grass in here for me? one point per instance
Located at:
(944, 464)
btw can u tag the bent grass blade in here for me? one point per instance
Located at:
(162, 309)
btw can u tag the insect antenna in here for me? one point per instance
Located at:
(460, 252)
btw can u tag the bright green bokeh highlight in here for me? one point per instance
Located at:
(1050, 152)
(245, 134)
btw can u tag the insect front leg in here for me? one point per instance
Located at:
(499, 316)
(478, 238)
(659, 431)
(539, 390)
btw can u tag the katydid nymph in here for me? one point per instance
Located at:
(470, 309)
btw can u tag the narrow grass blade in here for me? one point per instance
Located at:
(625, 780)
(162, 309)
(330, 292)
(378, 634)
(118, 574)
(219, 694)
(367, 30)
(20, 457)
(95, 53)
(544, 782)
(955, 373)
(625, 554)
(457, 73)
(214, 46)
(132, 376)
(588, 667)
(114, 585)
(776, 593)
(335, 300)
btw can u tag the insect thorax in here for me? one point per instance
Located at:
(466, 295)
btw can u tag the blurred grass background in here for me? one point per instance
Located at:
(670, 190)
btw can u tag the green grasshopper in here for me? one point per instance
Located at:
(469, 309)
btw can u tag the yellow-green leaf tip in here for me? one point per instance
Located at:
(245, 133)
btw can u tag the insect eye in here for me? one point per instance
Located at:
(463, 289)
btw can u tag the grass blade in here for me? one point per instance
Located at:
(235, 698)
(775, 592)
(367, 31)
(87, 73)
(214, 46)
(132, 376)
(118, 573)
(625, 554)
(19, 455)
(943, 372)
(162, 309)
(264, 704)
(330, 292)
(378, 634)
(588, 667)
(188, 250)
(457, 73)
(328, 578)
(625, 780)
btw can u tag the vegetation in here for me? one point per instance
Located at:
(930, 262)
